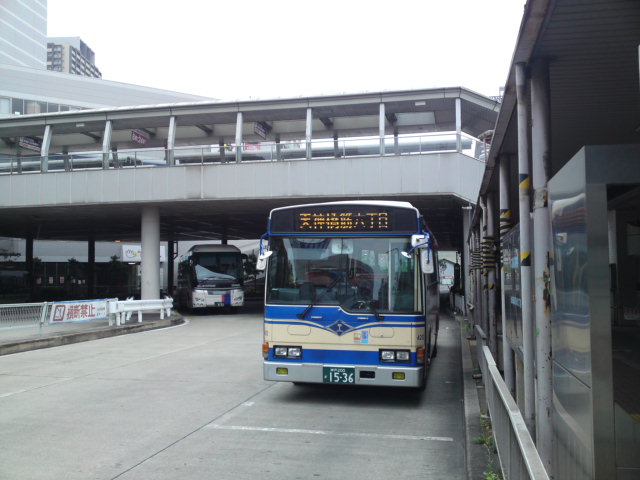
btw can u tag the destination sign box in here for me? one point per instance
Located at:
(344, 219)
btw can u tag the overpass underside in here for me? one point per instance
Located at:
(230, 200)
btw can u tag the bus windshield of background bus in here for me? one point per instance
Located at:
(359, 274)
(218, 266)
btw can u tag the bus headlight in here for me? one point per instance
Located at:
(402, 356)
(287, 352)
(387, 355)
(295, 352)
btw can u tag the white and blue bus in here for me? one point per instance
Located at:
(351, 294)
(211, 276)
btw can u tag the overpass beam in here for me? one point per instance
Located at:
(171, 141)
(106, 143)
(309, 132)
(46, 144)
(381, 127)
(150, 262)
(239, 137)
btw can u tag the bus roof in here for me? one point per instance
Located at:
(215, 247)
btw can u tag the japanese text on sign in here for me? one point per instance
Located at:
(341, 221)
(78, 311)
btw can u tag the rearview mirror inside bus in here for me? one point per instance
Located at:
(261, 264)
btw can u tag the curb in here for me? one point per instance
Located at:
(476, 457)
(57, 340)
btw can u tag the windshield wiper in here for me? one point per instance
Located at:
(315, 298)
(368, 304)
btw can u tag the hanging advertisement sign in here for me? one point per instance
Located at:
(30, 143)
(133, 253)
(138, 136)
(78, 311)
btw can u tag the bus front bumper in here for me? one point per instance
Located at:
(363, 374)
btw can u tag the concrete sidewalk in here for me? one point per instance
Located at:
(22, 339)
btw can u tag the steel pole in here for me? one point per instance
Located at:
(524, 207)
(540, 134)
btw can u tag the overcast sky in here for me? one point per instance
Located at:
(241, 49)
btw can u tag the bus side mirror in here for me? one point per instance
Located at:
(426, 261)
(261, 264)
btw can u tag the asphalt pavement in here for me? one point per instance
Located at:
(235, 427)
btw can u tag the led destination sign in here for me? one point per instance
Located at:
(344, 219)
(354, 221)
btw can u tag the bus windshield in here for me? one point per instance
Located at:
(218, 266)
(358, 274)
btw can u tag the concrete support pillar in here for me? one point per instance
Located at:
(223, 150)
(172, 251)
(171, 141)
(239, 137)
(336, 145)
(458, 125)
(309, 132)
(525, 247)
(106, 143)
(540, 152)
(491, 277)
(381, 127)
(150, 262)
(505, 226)
(46, 144)
(466, 258)
(31, 277)
(484, 318)
(91, 267)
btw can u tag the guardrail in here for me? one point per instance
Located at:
(412, 144)
(123, 310)
(49, 313)
(518, 455)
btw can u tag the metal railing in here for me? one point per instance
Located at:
(23, 315)
(123, 310)
(518, 455)
(440, 142)
(117, 312)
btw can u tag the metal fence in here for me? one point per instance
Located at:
(518, 455)
(23, 315)
(19, 315)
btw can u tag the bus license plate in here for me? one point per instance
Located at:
(338, 375)
(218, 304)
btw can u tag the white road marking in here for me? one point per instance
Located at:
(329, 433)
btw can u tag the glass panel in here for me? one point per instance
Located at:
(5, 105)
(359, 274)
(17, 106)
(217, 266)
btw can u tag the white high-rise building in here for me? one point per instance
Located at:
(23, 33)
